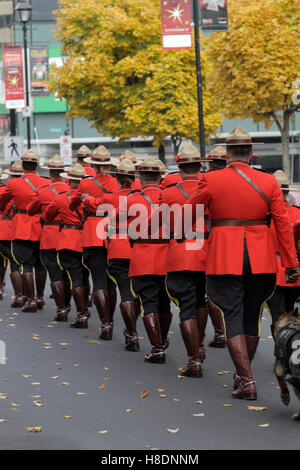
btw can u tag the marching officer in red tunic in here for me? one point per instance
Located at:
(59, 282)
(285, 294)
(241, 263)
(148, 263)
(82, 153)
(3, 225)
(27, 230)
(94, 247)
(186, 264)
(119, 250)
(69, 243)
(133, 158)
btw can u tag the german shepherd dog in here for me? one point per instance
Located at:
(286, 333)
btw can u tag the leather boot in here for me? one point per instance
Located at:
(238, 350)
(101, 301)
(165, 322)
(87, 293)
(68, 293)
(112, 303)
(62, 309)
(137, 308)
(201, 315)
(28, 285)
(131, 336)
(80, 302)
(218, 324)
(16, 280)
(2, 276)
(190, 335)
(40, 282)
(252, 343)
(152, 325)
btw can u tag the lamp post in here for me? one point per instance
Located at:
(23, 10)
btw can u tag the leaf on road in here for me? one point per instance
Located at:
(199, 402)
(76, 365)
(35, 383)
(266, 425)
(34, 429)
(173, 431)
(26, 376)
(227, 405)
(36, 396)
(3, 396)
(198, 414)
(106, 368)
(80, 393)
(257, 408)
(54, 377)
(102, 387)
(180, 368)
(14, 404)
(94, 341)
(128, 410)
(144, 393)
(3, 420)
(65, 383)
(160, 390)
(163, 396)
(38, 403)
(105, 431)
(67, 417)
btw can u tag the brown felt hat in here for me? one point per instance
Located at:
(101, 156)
(16, 169)
(125, 167)
(188, 154)
(3, 176)
(30, 156)
(151, 165)
(55, 163)
(238, 136)
(130, 156)
(217, 154)
(83, 152)
(75, 172)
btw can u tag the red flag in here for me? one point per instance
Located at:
(13, 77)
(176, 19)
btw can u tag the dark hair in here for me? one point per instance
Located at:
(150, 176)
(125, 180)
(29, 166)
(217, 165)
(55, 173)
(239, 151)
(190, 168)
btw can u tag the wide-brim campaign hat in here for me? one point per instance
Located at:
(83, 152)
(151, 165)
(3, 176)
(217, 154)
(101, 156)
(125, 167)
(75, 172)
(188, 154)
(55, 163)
(238, 136)
(283, 181)
(16, 169)
(29, 156)
(130, 156)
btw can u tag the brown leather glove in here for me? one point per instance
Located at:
(292, 275)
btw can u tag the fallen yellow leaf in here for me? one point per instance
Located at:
(34, 429)
(94, 341)
(103, 432)
(257, 408)
(38, 403)
(198, 414)
(160, 390)
(106, 368)
(76, 365)
(67, 417)
(14, 404)
(102, 387)
(128, 410)
(144, 393)
(65, 383)
(227, 405)
(163, 396)
(36, 396)
(26, 376)
(54, 377)
(36, 383)
(266, 425)
(173, 431)
(3, 420)
(199, 402)
(80, 393)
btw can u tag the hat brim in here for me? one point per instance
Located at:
(11, 173)
(149, 170)
(92, 161)
(51, 168)
(4, 176)
(216, 159)
(70, 177)
(239, 143)
(123, 172)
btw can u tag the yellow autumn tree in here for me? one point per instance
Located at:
(118, 77)
(256, 64)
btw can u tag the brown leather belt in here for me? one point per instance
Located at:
(21, 211)
(72, 227)
(151, 241)
(50, 224)
(95, 214)
(238, 222)
(7, 217)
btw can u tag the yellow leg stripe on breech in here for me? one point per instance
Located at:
(68, 274)
(222, 313)
(15, 259)
(137, 296)
(176, 301)
(9, 266)
(115, 282)
(86, 267)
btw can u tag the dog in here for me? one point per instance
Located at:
(286, 333)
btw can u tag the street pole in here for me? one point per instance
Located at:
(199, 78)
(26, 84)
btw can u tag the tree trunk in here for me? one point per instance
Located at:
(162, 153)
(176, 144)
(285, 139)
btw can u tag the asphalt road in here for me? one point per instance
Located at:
(52, 365)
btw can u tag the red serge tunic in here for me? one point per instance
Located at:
(185, 256)
(6, 233)
(118, 246)
(146, 259)
(69, 239)
(170, 178)
(228, 196)
(24, 227)
(90, 186)
(88, 170)
(294, 217)
(45, 195)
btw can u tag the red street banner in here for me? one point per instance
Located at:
(176, 19)
(13, 77)
(214, 16)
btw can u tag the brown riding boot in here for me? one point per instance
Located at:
(62, 309)
(238, 350)
(16, 280)
(152, 325)
(131, 336)
(218, 324)
(252, 343)
(101, 301)
(2, 276)
(80, 302)
(165, 322)
(40, 282)
(202, 315)
(112, 303)
(137, 308)
(190, 336)
(28, 285)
